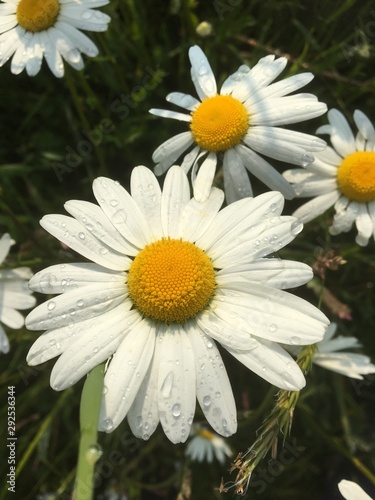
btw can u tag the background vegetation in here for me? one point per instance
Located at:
(58, 135)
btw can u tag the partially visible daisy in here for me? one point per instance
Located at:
(170, 276)
(31, 29)
(240, 122)
(346, 363)
(342, 176)
(14, 293)
(205, 445)
(351, 491)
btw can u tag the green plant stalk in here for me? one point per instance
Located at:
(89, 451)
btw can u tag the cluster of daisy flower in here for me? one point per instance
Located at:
(171, 274)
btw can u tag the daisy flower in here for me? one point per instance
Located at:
(240, 122)
(342, 176)
(14, 293)
(351, 491)
(206, 445)
(31, 29)
(170, 276)
(346, 363)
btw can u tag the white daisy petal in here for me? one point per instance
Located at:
(264, 171)
(273, 363)
(317, 206)
(76, 305)
(174, 198)
(4, 341)
(235, 79)
(166, 154)
(90, 348)
(342, 137)
(276, 273)
(247, 213)
(202, 75)
(351, 491)
(204, 179)
(196, 217)
(92, 217)
(143, 415)
(364, 226)
(11, 318)
(165, 113)
(176, 384)
(122, 210)
(5, 243)
(146, 191)
(364, 125)
(285, 110)
(266, 313)
(214, 391)
(64, 277)
(183, 100)
(83, 242)
(125, 374)
(236, 180)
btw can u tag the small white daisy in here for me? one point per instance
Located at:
(351, 491)
(31, 29)
(205, 445)
(346, 363)
(240, 122)
(14, 293)
(170, 276)
(342, 176)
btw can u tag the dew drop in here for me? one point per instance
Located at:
(113, 203)
(272, 328)
(107, 424)
(80, 303)
(207, 401)
(81, 236)
(51, 305)
(176, 410)
(295, 340)
(166, 387)
(93, 454)
(296, 227)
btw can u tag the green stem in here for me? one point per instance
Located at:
(89, 451)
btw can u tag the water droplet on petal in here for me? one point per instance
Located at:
(167, 385)
(295, 340)
(207, 401)
(51, 305)
(273, 327)
(107, 424)
(176, 410)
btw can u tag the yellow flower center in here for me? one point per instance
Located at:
(37, 15)
(356, 176)
(219, 123)
(171, 280)
(205, 433)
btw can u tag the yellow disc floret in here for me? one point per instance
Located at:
(356, 176)
(171, 280)
(219, 123)
(37, 15)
